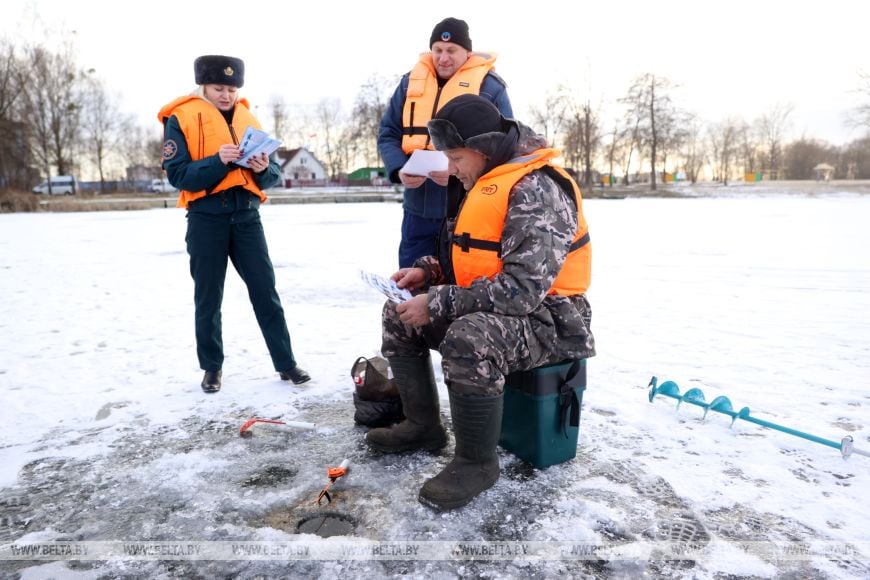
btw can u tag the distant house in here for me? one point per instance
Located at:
(299, 167)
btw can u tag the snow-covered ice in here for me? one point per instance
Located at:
(107, 437)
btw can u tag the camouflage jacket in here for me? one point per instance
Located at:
(539, 226)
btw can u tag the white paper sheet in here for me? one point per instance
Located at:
(423, 161)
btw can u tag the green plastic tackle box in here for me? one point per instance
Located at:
(541, 419)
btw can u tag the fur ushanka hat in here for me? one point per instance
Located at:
(470, 121)
(216, 69)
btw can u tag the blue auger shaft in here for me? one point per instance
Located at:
(790, 431)
(744, 414)
(696, 397)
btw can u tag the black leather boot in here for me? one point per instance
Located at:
(422, 428)
(211, 381)
(475, 467)
(296, 374)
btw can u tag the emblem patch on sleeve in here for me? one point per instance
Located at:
(170, 148)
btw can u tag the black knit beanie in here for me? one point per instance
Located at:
(215, 69)
(451, 30)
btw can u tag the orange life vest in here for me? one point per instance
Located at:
(205, 130)
(476, 250)
(424, 97)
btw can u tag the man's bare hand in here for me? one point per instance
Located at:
(439, 177)
(411, 181)
(415, 311)
(409, 278)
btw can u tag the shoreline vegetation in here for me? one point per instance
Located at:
(22, 202)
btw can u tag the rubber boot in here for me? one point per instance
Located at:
(475, 467)
(422, 428)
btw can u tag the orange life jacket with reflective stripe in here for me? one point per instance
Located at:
(424, 97)
(205, 130)
(476, 238)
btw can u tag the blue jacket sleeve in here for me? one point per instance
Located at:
(495, 90)
(182, 171)
(390, 133)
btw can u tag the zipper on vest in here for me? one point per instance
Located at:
(201, 143)
(434, 110)
(236, 142)
(411, 119)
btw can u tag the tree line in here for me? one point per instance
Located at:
(646, 136)
(59, 119)
(56, 117)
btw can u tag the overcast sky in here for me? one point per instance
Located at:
(735, 58)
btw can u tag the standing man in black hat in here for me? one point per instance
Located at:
(200, 155)
(450, 69)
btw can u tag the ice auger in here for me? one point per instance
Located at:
(723, 405)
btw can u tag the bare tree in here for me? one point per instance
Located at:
(348, 147)
(102, 127)
(549, 117)
(693, 152)
(611, 150)
(854, 160)
(138, 146)
(631, 140)
(801, 157)
(584, 129)
(278, 111)
(651, 106)
(14, 153)
(748, 148)
(302, 127)
(328, 117)
(860, 116)
(772, 127)
(10, 87)
(724, 143)
(368, 110)
(672, 132)
(52, 108)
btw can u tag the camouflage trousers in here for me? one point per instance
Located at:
(477, 350)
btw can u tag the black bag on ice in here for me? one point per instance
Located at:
(375, 399)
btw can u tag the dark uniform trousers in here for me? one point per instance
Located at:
(419, 237)
(211, 239)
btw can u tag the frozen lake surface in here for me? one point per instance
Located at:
(107, 438)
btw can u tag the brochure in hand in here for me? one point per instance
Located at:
(385, 285)
(255, 142)
(423, 161)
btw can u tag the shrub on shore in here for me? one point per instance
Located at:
(13, 201)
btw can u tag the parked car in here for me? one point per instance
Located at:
(60, 185)
(161, 186)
